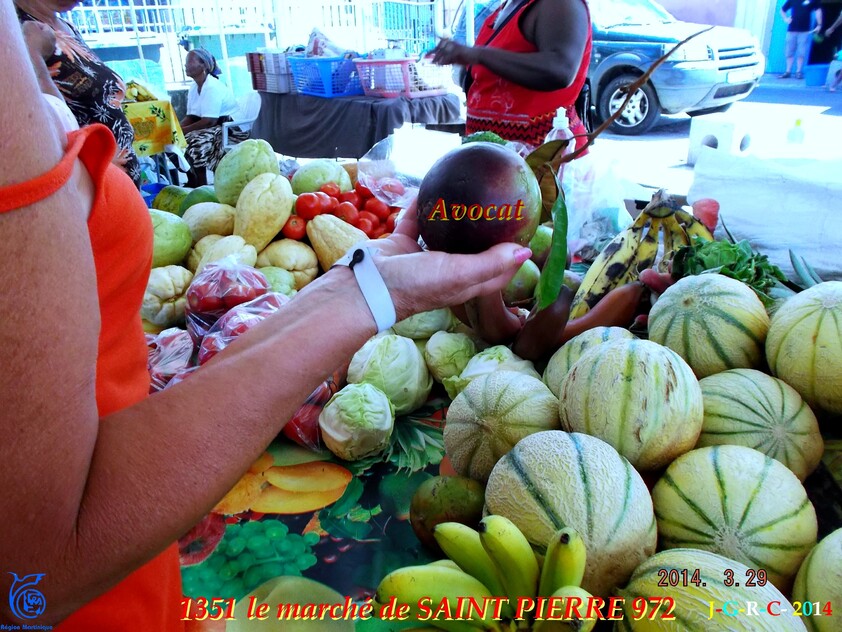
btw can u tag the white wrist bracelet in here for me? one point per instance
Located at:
(374, 290)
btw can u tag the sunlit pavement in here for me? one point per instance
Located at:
(659, 158)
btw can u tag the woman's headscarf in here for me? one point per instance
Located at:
(208, 61)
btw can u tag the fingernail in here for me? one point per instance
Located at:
(522, 254)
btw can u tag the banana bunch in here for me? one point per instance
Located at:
(492, 580)
(636, 248)
(138, 92)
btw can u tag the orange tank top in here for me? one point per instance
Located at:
(121, 239)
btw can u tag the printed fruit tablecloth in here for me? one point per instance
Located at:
(346, 525)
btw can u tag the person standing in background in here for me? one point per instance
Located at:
(92, 91)
(531, 58)
(799, 31)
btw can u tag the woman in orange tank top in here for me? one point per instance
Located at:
(99, 479)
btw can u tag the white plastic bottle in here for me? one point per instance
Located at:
(561, 131)
(795, 133)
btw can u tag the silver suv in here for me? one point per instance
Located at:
(707, 74)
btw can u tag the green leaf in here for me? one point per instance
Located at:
(545, 153)
(552, 276)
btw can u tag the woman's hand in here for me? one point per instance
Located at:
(449, 52)
(419, 281)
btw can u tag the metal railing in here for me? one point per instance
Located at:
(163, 30)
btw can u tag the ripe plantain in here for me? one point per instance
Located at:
(692, 226)
(613, 267)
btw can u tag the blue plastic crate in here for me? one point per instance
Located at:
(325, 76)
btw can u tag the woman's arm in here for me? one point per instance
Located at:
(41, 42)
(559, 30)
(199, 123)
(88, 500)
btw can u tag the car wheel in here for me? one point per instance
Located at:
(640, 114)
(718, 108)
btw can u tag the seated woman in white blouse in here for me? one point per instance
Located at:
(210, 103)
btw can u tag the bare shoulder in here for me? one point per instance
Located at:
(562, 14)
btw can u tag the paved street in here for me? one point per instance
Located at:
(659, 158)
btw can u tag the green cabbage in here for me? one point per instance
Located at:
(447, 354)
(393, 364)
(357, 421)
(423, 325)
(495, 358)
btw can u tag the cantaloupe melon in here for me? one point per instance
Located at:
(553, 479)
(493, 413)
(737, 502)
(561, 361)
(671, 576)
(804, 347)
(712, 321)
(639, 396)
(747, 407)
(819, 580)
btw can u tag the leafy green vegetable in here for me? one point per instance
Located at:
(736, 260)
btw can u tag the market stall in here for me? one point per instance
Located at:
(658, 428)
(343, 127)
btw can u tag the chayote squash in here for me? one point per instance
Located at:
(241, 165)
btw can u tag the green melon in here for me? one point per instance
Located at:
(749, 408)
(554, 479)
(820, 580)
(804, 347)
(569, 352)
(204, 193)
(491, 415)
(740, 503)
(712, 321)
(671, 577)
(639, 396)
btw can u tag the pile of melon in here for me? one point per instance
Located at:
(694, 443)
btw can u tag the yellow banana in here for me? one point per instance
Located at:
(669, 246)
(462, 544)
(692, 226)
(446, 564)
(441, 597)
(564, 563)
(611, 268)
(567, 600)
(663, 204)
(512, 556)
(647, 251)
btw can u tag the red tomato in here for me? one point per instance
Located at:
(308, 205)
(380, 209)
(392, 185)
(365, 225)
(331, 188)
(391, 221)
(328, 203)
(375, 221)
(379, 230)
(348, 212)
(303, 428)
(363, 191)
(351, 196)
(295, 228)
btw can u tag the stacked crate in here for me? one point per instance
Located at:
(270, 72)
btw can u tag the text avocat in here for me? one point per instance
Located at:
(476, 212)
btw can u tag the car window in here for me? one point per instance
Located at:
(608, 13)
